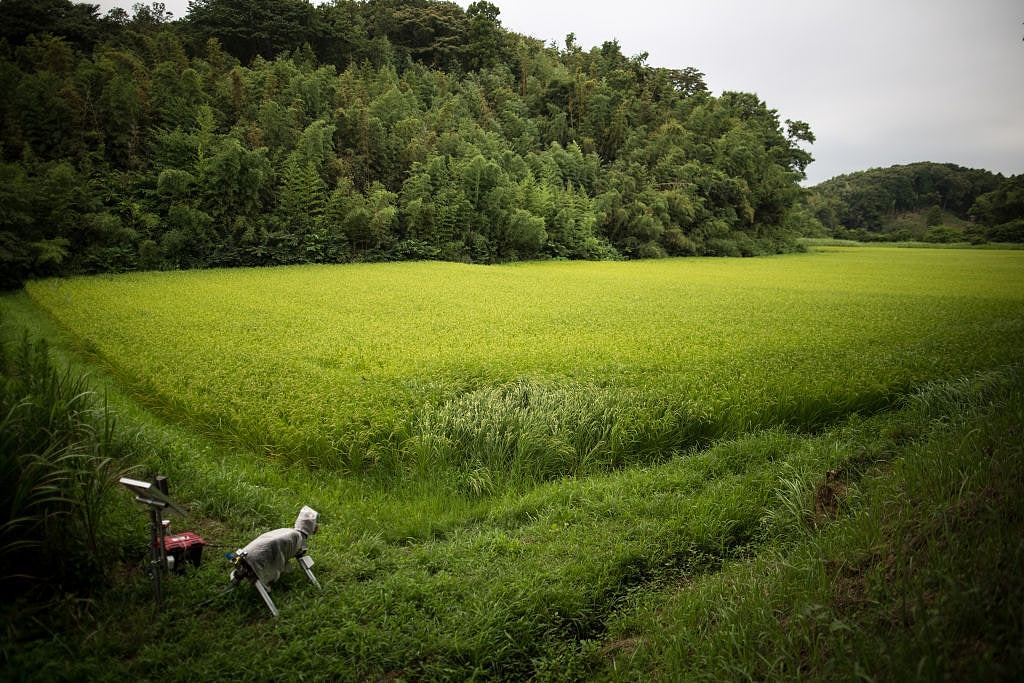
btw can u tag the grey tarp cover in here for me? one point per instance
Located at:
(306, 521)
(268, 553)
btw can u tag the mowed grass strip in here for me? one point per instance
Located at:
(400, 368)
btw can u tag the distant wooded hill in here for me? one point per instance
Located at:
(934, 202)
(257, 132)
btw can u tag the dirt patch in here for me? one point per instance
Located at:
(828, 495)
(849, 587)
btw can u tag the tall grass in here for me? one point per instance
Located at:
(917, 577)
(60, 457)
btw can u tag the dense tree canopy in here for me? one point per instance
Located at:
(273, 131)
(874, 204)
(1002, 211)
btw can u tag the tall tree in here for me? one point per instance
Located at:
(247, 28)
(78, 23)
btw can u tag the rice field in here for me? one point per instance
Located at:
(533, 371)
(491, 451)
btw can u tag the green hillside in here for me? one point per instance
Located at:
(923, 201)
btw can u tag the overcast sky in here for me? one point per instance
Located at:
(881, 82)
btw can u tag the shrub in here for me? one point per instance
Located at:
(651, 250)
(1011, 231)
(721, 247)
(943, 234)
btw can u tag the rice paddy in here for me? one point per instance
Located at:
(804, 466)
(543, 369)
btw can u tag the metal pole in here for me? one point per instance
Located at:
(156, 542)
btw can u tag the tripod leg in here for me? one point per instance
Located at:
(306, 562)
(265, 594)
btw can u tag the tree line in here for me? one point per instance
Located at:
(939, 202)
(258, 132)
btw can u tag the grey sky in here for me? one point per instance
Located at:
(880, 81)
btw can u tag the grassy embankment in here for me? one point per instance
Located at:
(838, 513)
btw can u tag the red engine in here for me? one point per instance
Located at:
(184, 547)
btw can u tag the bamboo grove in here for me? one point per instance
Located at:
(261, 132)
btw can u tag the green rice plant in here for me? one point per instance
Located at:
(527, 430)
(539, 370)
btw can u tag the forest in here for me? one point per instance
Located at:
(929, 201)
(261, 132)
